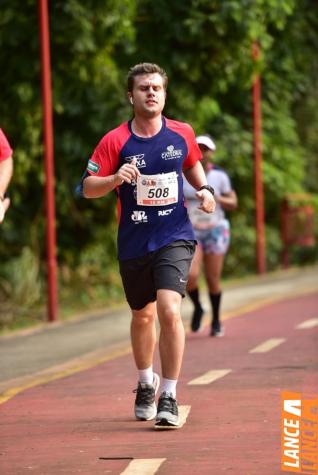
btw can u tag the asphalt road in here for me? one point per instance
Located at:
(229, 397)
(32, 353)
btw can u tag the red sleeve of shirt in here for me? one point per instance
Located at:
(186, 131)
(5, 149)
(104, 161)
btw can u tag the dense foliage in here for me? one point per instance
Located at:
(205, 47)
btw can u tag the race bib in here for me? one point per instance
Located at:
(157, 190)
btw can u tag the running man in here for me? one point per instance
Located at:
(143, 160)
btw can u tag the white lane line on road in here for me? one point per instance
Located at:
(183, 414)
(268, 345)
(210, 376)
(313, 322)
(143, 467)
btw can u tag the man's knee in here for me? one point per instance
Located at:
(168, 307)
(143, 317)
(169, 316)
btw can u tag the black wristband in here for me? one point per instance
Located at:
(207, 187)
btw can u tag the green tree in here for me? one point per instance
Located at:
(87, 100)
(205, 46)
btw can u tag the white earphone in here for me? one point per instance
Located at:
(131, 100)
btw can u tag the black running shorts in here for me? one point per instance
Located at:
(166, 268)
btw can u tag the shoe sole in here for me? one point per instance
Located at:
(218, 334)
(152, 417)
(164, 424)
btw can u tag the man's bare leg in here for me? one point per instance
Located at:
(143, 339)
(143, 335)
(172, 336)
(171, 347)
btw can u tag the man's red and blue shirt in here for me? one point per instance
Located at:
(152, 212)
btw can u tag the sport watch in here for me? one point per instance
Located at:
(207, 187)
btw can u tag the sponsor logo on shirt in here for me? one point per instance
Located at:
(165, 212)
(171, 153)
(140, 162)
(139, 217)
(93, 167)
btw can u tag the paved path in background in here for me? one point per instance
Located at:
(229, 394)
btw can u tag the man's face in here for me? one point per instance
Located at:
(148, 95)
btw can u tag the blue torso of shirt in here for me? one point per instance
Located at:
(143, 229)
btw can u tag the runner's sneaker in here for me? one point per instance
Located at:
(196, 318)
(145, 406)
(167, 415)
(217, 329)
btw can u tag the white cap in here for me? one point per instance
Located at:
(205, 140)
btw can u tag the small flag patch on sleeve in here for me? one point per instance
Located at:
(93, 167)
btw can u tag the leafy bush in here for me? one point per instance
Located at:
(20, 286)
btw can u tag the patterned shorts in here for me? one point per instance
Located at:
(215, 240)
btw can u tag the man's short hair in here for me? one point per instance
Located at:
(145, 68)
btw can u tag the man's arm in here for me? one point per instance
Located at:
(96, 186)
(6, 171)
(196, 177)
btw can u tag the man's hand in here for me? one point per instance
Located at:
(128, 173)
(4, 205)
(97, 186)
(207, 201)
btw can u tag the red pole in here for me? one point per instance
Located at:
(259, 194)
(49, 161)
(284, 233)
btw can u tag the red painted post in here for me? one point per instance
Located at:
(49, 161)
(284, 233)
(259, 193)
